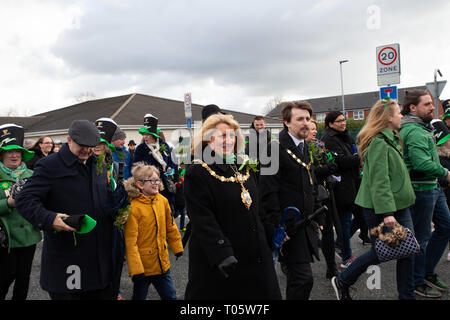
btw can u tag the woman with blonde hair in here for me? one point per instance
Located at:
(229, 257)
(386, 193)
(149, 230)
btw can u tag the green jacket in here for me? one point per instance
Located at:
(385, 186)
(421, 156)
(20, 232)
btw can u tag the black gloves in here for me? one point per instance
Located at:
(16, 188)
(138, 277)
(227, 266)
(178, 255)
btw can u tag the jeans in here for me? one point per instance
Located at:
(345, 216)
(431, 205)
(163, 284)
(405, 279)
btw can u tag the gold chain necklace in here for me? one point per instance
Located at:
(307, 166)
(238, 178)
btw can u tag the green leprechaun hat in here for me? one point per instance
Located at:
(446, 107)
(11, 138)
(150, 125)
(106, 128)
(82, 223)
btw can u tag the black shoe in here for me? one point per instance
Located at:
(341, 291)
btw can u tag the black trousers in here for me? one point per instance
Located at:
(102, 294)
(299, 281)
(15, 266)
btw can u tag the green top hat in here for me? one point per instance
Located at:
(446, 107)
(150, 125)
(106, 128)
(81, 222)
(11, 138)
(440, 133)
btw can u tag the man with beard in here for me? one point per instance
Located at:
(422, 161)
(292, 185)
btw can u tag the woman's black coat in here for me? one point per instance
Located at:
(340, 143)
(289, 187)
(222, 227)
(61, 183)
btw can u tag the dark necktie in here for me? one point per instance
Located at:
(300, 147)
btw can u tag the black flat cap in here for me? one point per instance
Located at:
(84, 133)
(209, 110)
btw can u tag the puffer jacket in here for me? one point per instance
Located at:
(148, 226)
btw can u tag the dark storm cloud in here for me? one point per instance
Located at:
(267, 47)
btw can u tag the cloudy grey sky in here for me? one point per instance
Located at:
(236, 54)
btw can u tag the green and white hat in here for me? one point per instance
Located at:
(11, 138)
(150, 125)
(106, 127)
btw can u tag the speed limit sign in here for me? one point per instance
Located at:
(388, 59)
(388, 64)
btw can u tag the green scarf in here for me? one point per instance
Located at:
(13, 173)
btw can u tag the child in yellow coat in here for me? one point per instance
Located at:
(148, 226)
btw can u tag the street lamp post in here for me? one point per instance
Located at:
(342, 86)
(436, 92)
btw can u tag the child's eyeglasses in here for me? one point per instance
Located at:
(152, 181)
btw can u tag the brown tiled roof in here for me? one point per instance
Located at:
(128, 110)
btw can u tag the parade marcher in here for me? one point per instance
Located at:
(385, 194)
(57, 145)
(338, 140)
(324, 168)
(259, 136)
(155, 152)
(20, 237)
(292, 185)
(180, 203)
(149, 230)
(446, 116)
(121, 156)
(42, 148)
(65, 185)
(422, 161)
(229, 257)
(441, 135)
(105, 151)
(131, 148)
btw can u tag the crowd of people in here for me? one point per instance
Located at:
(98, 204)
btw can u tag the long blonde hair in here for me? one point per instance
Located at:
(203, 136)
(377, 121)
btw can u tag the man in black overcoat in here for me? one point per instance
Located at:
(73, 266)
(291, 185)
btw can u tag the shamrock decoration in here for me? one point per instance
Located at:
(251, 163)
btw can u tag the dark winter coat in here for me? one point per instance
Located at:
(222, 227)
(348, 163)
(61, 183)
(142, 154)
(290, 186)
(37, 156)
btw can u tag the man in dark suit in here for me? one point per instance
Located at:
(65, 184)
(292, 185)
